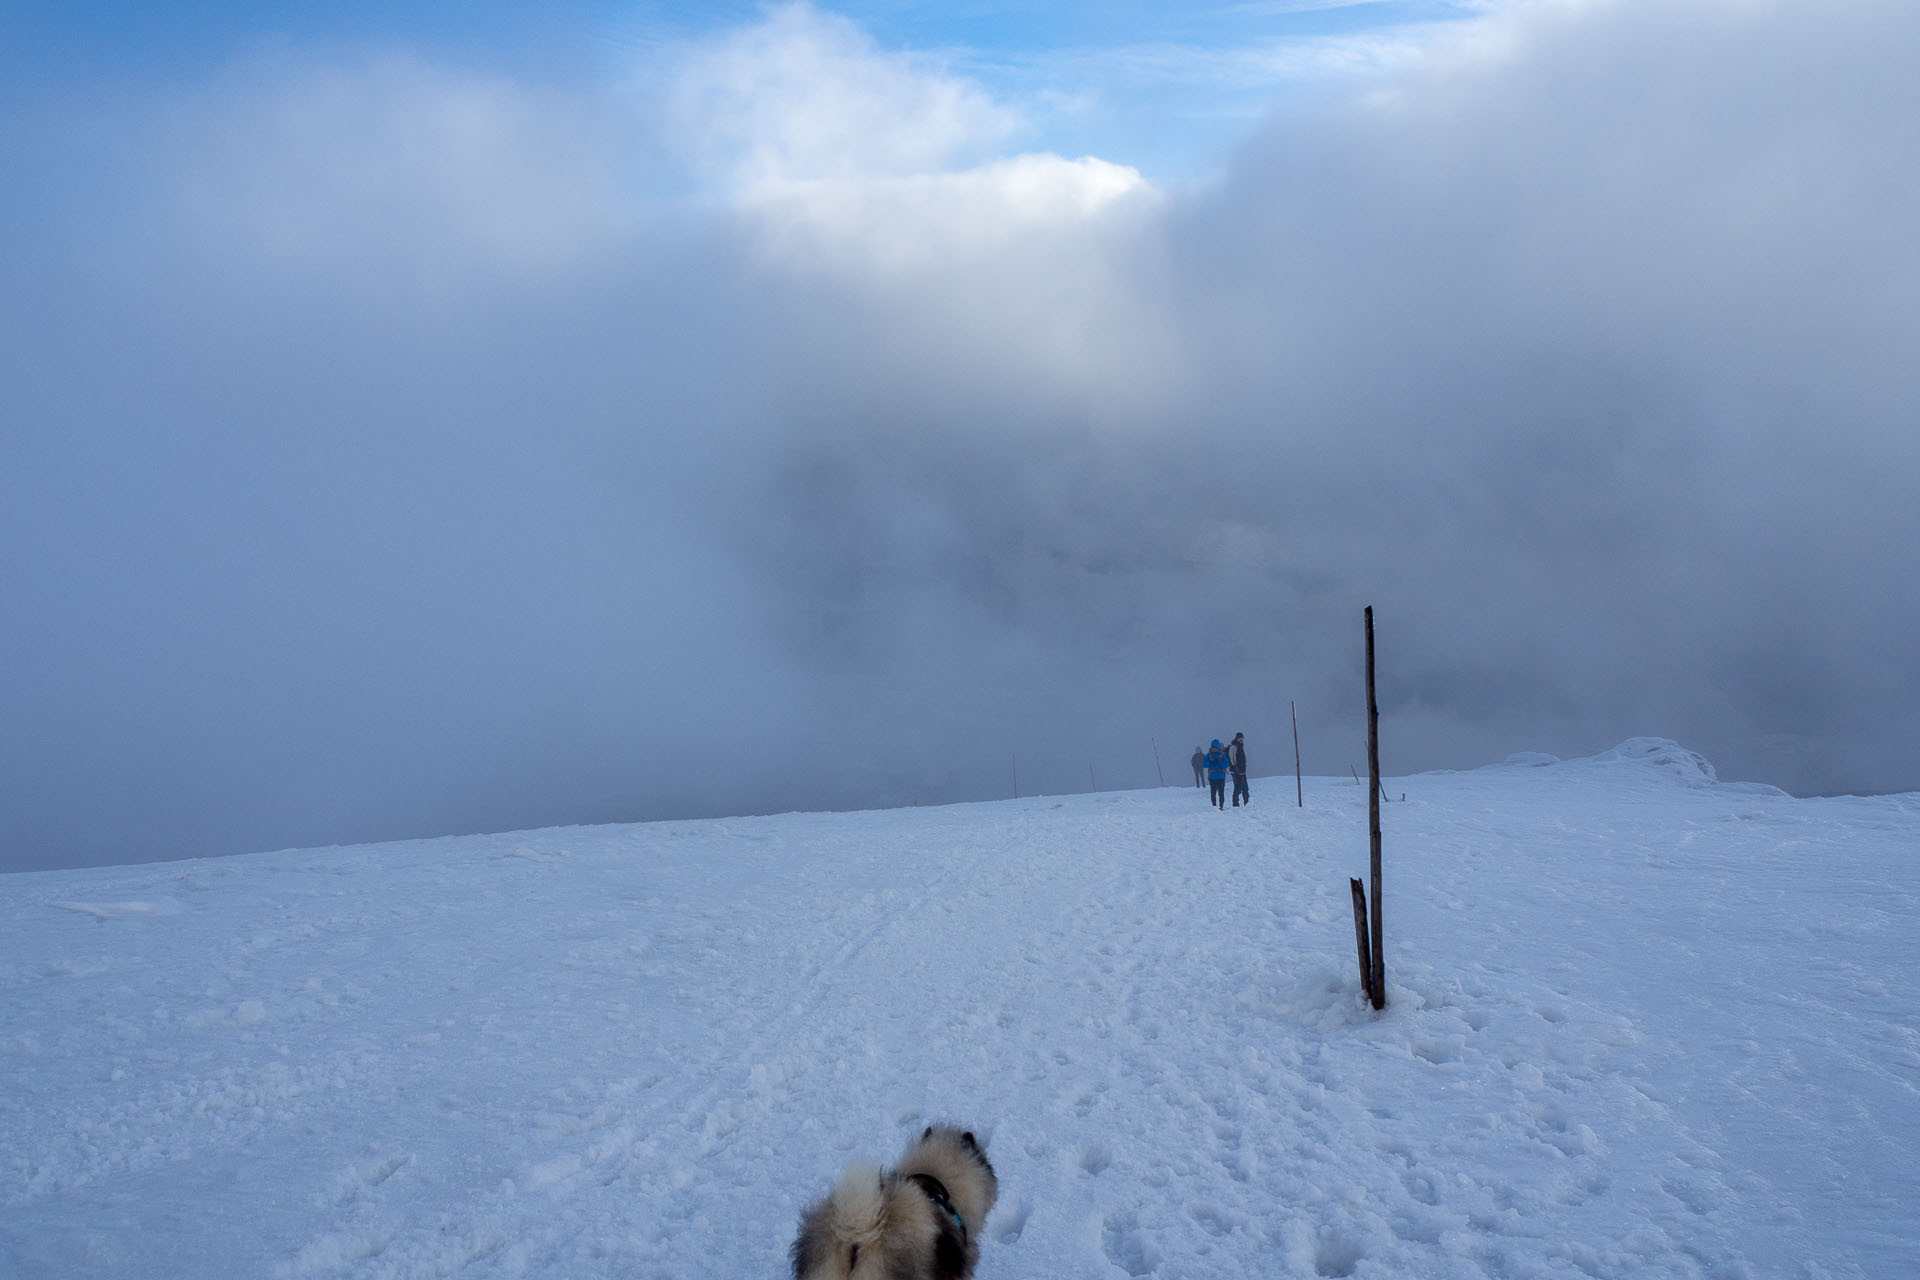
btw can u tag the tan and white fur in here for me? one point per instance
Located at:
(919, 1220)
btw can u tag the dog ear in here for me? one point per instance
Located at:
(967, 1138)
(926, 1133)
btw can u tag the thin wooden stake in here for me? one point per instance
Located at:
(1378, 988)
(1156, 760)
(1016, 775)
(1299, 796)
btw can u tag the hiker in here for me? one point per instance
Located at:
(1199, 761)
(1217, 775)
(1237, 762)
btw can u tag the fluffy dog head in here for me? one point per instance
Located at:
(920, 1220)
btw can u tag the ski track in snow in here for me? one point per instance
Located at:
(1641, 1024)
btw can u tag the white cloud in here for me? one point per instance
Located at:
(924, 219)
(808, 96)
(806, 121)
(1010, 265)
(883, 172)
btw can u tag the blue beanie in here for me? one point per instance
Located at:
(1216, 742)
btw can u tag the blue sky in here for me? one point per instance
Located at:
(1163, 87)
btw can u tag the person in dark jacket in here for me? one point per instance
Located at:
(1237, 763)
(1217, 775)
(1199, 763)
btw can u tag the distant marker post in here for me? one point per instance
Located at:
(1299, 795)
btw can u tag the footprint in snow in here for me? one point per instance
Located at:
(1126, 1248)
(1009, 1221)
(1337, 1256)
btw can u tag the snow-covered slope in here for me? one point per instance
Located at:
(1642, 1024)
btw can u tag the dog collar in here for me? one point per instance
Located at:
(937, 1192)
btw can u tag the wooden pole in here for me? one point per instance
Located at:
(1156, 760)
(1378, 988)
(1360, 936)
(1090, 778)
(1016, 775)
(1299, 796)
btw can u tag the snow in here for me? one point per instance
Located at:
(1642, 1023)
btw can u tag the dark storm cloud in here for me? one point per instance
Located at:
(374, 467)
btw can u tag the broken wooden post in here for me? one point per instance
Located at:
(1360, 936)
(1377, 988)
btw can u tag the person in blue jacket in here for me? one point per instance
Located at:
(1217, 775)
